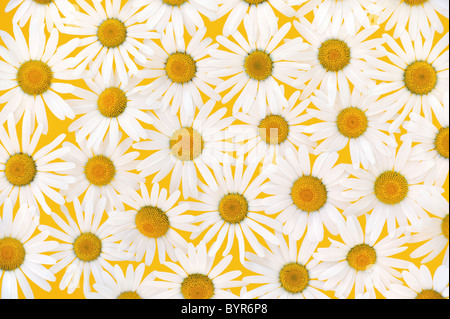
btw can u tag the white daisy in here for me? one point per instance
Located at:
(29, 171)
(32, 74)
(421, 284)
(306, 199)
(194, 277)
(350, 121)
(86, 247)
(23, 252)
(184, 144)
(363, 263)
(415, 81)
(230, 208)
(152, 224)
(285, 272)
(255, 64)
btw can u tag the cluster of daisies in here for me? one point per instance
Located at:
(246, 129)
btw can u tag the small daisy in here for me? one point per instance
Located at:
(350, 121)
(184, 144)
(230, 208)
(110, 37)
(195, 277)
(106, 171)
(86, 247)
(359, 262)
(421, 284)
(179, 72)
(32, 74)
(23, 253)
(29, 172)
(285, 271)
(416, 80)
(255, 64)
(152, 223)
(306, 199)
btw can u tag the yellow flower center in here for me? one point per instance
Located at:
(180, 67)
(152, 222)
(442, 142)
(258, 65)
(34, 77)
(20, 169)
(294, 278)
(87, 247)
(233, 208)
(12, 253)
(129, 295)
(273, 129)
(391, 187)
(352, 122)
(361, 257)
(255, 1)
(414, 2)
(334, 55)
(197, 286)
(112, 32)
(420, 77)
(174, 2)
(112, 102)
(186, 144)
(429, 294)
(43, 1)
(309, 193)
(99, 170)
(444, 226)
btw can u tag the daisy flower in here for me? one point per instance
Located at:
(23, 252)
(416, 80)
(194, 277)
(28, 171)
(230, 208)
(184, 144)
(106, 171)
(421, 284)
(337, 59)
(306, 199)
(255, 64)
(363, 263)
(285, 272)
(179, 72)
(86, 247)
(32, 74)
(350, 121)
(152, 223)
(421, 16)
(265, 138)
(110, 36)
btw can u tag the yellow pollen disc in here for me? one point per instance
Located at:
(391, 187)
(258, 65)
(129, 295)
(309, 193)
(420, 77)
(294, 278)
(43, 1)
(414, 2)
(174, 2)
(112, 32)
(99, 170)
(444, 226)
(233, 208)
(186, 144)
(334, 55)
(87, 247)
(12, 253)
(361, 257)
(20, 169)
(254, 1)
(112, 102)
(273, 129)
(34, 77)
(442, 142)
(429, 294)
(352, 122)
(197, 286)
(180, 67)
(152, 222)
